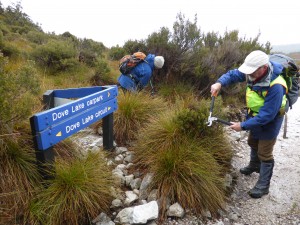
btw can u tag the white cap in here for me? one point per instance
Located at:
(159, 62)
(253, 61)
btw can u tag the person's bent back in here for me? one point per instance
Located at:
(140, 75)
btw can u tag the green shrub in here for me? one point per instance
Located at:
(173, 91)
(37, 37)
(17, 94)
(101, 76)
(9, 50)
(54, 55)
(116, 53)
(70, 64)
(131, 46)
(90, 51)
(20, 29)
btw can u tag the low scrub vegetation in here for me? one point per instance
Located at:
(134, 112)
(176, 147)
(19, 176)
(167, 131)
(80, 189)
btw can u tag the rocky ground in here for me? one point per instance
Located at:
(282, 205)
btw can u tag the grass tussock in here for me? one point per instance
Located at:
(79, 191)
(175, 90)
(189, 175)
(134, 112)
(219, 147)
(186, 157)
(18, 176)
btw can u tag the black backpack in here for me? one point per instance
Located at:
(291, 75)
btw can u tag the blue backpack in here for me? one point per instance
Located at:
(291, 74)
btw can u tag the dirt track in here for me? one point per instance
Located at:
(282, 205)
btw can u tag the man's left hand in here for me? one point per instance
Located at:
(236, 126)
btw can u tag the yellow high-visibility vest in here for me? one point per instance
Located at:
(255, 100)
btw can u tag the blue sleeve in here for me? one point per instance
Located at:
(269, 110)
(231, 77)
(150, 60)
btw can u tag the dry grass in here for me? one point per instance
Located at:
(79, 191)
(173, 91)
(188, 164)
(134, 112)
(64, 80)
(18, 176)
(189, 175)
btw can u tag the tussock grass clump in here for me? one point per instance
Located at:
(18, 176)
(79, 191)
(172, 91)
(134, 112)
(187, 174)
(176, 147)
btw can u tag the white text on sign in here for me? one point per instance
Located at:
(85, 120)
(76, 108)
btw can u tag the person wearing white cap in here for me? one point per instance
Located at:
(141, 74)
(265, 99)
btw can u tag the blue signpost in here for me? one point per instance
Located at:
(55, 124)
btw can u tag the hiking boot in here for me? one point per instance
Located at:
(258, 193)
(251, 168)
(254, 164)
(262, 186)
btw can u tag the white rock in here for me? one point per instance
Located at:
(130, 197)
(175, 210)
(128, 179)
(116, 203)
(143, 213)
(124, 216)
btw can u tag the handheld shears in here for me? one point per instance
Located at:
(211, 118)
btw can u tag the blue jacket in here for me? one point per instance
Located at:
(142, 72)
(266, 125)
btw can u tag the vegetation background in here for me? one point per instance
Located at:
(167, 131)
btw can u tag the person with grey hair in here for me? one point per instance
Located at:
(141, 74)
(265, 99)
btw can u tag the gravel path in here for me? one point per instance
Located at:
(282, 205)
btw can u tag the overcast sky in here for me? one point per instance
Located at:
(113, 22)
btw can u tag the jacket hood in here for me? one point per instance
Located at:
(277, 69)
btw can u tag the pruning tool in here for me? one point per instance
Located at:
(211, 118)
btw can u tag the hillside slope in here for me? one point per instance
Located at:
(286, 48)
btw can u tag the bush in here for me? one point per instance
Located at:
(90, 51)
(37, 37)
(54, 55)
(131, 46)
(101, 76)
(17, 94)
(9, 50)
(173, 91)
(116, 53)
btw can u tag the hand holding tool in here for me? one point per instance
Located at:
(210, 118)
